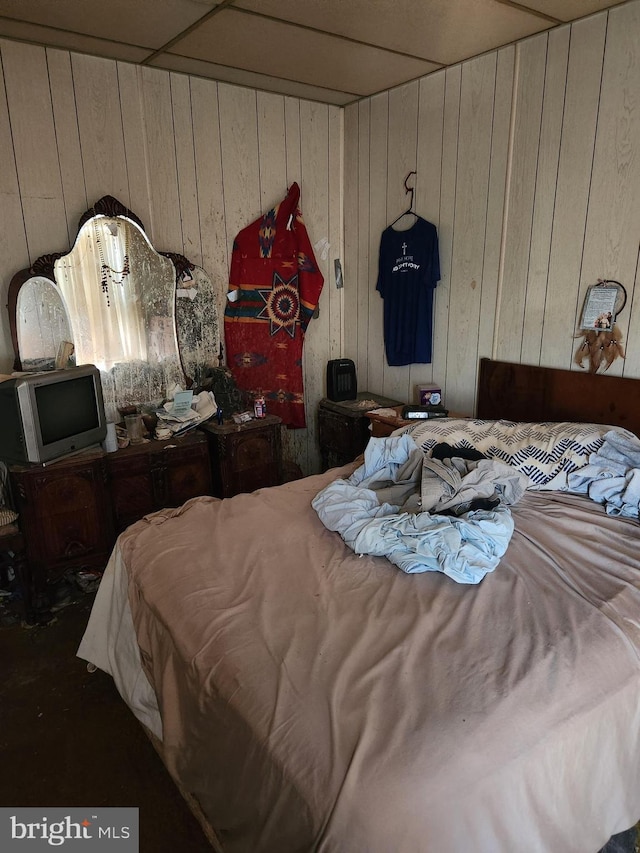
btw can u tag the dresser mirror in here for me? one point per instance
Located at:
(43, 323)
(147, 320)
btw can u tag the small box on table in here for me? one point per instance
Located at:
(429, 394)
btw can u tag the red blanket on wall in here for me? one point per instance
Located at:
(278, 284)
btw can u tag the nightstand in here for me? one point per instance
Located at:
(244, 457)
(344, 427)
(383, 425)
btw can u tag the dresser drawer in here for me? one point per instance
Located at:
(149, 477)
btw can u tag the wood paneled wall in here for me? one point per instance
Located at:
(528, 161)
(196, 160)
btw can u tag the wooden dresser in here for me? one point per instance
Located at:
(71, 510)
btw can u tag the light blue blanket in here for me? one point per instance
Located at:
(465, 548)
(612, 476)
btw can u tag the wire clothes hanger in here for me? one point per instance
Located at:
(407, 190)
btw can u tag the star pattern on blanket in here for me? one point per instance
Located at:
(282, 305)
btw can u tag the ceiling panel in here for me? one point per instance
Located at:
(71, 41)
(146, 23)
(334, 51)
(200, 68)
(255, 43)
(442, 31)
(569, 10)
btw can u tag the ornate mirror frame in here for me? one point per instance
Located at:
(193, 319)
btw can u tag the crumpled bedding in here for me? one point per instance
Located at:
(392, 505)
(612, 476)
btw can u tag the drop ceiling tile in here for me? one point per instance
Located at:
(442, 31)
(146, 23)
(569, 10)
(71, 41)
(200, 68)
(279, 46)
(258, 44)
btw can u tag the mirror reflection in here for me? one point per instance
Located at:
(119, 293)
(44, 333)
(197, 324)
(103, 291)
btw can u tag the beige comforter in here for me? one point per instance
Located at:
(313, 700)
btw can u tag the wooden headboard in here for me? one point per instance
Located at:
(522, 392)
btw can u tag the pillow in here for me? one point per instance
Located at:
(546, 452)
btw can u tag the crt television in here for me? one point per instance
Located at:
(47, 415)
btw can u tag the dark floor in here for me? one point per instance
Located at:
(68, 739)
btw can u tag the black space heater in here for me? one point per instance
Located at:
(341, 380)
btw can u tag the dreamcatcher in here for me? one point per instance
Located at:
(601, 337)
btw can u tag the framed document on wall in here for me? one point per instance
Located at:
(602, 303)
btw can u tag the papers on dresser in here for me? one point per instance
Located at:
(181, 405)
(187, 410)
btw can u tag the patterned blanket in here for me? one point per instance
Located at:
(546, 452)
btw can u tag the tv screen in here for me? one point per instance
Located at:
(66, 409)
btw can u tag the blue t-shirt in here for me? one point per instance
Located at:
(408, 272)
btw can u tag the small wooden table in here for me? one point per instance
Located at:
(343, 428)
(383, 425)
(244, 457)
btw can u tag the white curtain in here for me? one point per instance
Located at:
(108, 326)
(128, 329)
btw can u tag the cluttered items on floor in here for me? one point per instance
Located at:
(57, 594)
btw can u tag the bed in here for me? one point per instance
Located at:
(306, 698)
